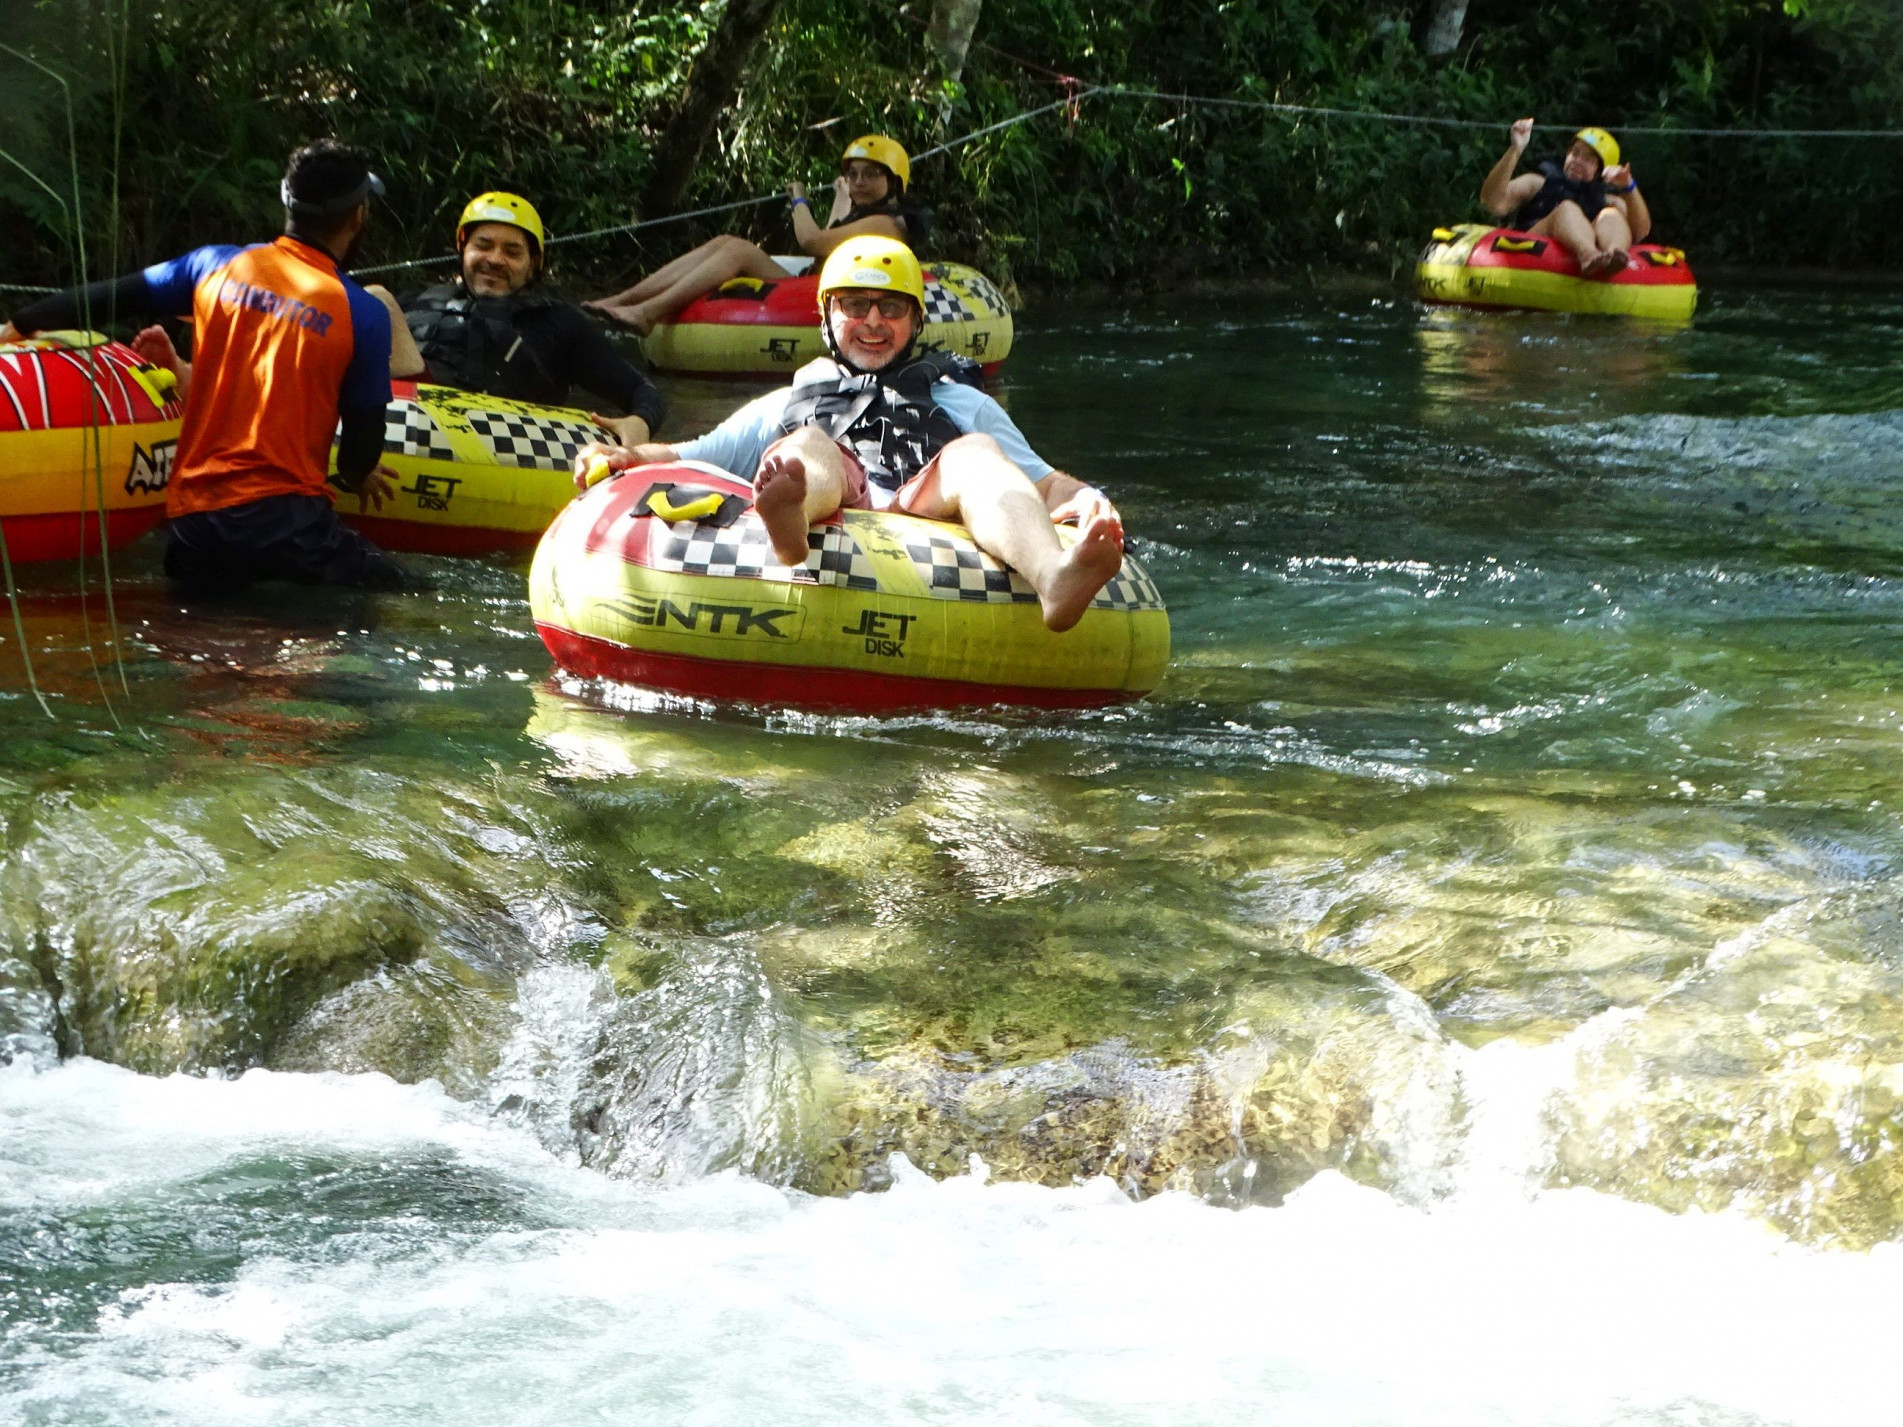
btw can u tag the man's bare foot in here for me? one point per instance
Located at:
(779, 495)
(1603, 264)
(1085, 568)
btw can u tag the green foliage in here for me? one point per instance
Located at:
(561, 99)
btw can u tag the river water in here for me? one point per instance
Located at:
(1466, 992)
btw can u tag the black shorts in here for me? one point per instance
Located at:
(281, 537)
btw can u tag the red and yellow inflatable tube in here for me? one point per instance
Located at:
(85, 425)
(664, 577)
(1471, 265)
(477, 474)
(752, 327)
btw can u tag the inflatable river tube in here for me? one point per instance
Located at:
(663, 577)
(84, 421)
(480, 474)
(1471, 265)
(752, 327)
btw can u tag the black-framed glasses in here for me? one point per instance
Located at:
(857, 304)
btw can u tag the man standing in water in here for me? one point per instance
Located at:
(286, 345)
(1589, 202)
(874, 427)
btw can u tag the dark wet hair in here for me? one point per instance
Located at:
(323, 184)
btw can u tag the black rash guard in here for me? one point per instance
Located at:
(535, 349)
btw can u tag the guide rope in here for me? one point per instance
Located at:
(1076, 91)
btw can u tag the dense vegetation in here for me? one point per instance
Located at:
(563, 99)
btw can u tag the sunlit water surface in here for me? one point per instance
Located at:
(1467, 992)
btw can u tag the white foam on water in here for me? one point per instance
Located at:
(725, 1301)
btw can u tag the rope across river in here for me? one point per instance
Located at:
(1077, 93)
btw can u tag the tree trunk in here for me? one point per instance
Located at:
(1443, 31)
(952, 24)
(712, 83)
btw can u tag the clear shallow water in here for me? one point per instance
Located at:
(1500, 886)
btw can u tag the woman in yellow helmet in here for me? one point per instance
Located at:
(869, 198)
(1588, 202)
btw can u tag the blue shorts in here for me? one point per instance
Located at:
(282, 537)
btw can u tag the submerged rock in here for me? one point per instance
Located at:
(1770, 1080)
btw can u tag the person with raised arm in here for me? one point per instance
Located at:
(1588, 202)
(870, 198)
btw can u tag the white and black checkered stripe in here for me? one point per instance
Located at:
(943, 305)
(743, 551)
(1130, 588)
(530, 441)
(959, 570)
(408, 430)
(976, 290)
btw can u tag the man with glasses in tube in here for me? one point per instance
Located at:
(286, 347)
(876, 426)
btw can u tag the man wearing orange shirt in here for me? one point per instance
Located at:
(286, 348)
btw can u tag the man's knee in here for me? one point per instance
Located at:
(810, 444)
(974, 466)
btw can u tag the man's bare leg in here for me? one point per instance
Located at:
(996, 502)
(1567, 226)
(801, 480)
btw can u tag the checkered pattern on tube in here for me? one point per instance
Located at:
(978, 290)
(959, 570)
(943, 305)
(742, 550)
(409, 431)
(1130, 588)
(529, 441)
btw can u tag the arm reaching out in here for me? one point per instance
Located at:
(1623, 189)
(1070, 500)
(154, 344)
(1496, 192)
(596, 462)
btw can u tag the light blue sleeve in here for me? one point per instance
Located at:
(738, 443)
(972, 410)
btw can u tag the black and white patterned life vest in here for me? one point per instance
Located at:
(890, 419)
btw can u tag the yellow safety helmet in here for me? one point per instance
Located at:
(874, 262)
(502, 208)
(1601, 143)
(878, 149)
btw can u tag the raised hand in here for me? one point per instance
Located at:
(1522, 132)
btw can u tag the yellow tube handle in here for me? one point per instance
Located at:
(660, 505)
(596, 471)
